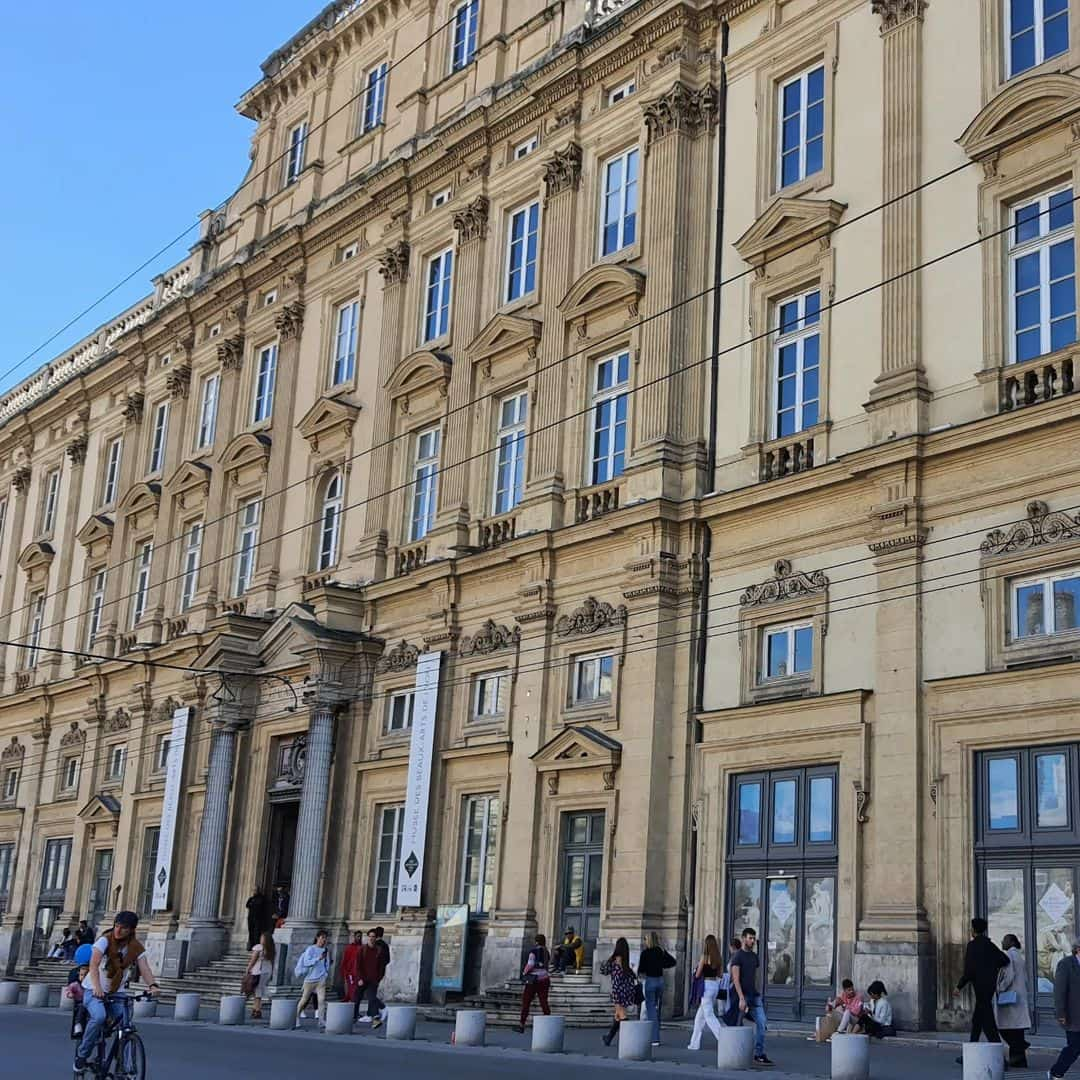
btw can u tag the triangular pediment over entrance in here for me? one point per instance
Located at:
(581, 747)
(788, 224)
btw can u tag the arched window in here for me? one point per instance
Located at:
(330, 530)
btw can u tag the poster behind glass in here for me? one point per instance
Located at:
(745, 907)
(818, 932)
(1005, 903)
(783, 909)
(1055, 922)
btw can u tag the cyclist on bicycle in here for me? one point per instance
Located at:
(115, 956)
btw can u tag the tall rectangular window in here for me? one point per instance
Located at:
(3, 521)
(11, 786)
(35, 623)
(1035, 31)
(69, 774)
(787, 651)
(440, 272)
(265, 374)
(151, 839)
(192, 554)
(50, 498)
(1042, 275)
(619, 211)
(425, 483)
(802, 126)
(247, 542)
(478, 855)
(208, 406)
(489, 695)
(510, 462)
(796, 364)
(399, 712)
(611, 384)
(7, 874)
(330, 529)
(55, 863)
(110, 489)
(387, 860)
(521, 251)
(158, 434)
(345, 324)
(294, 156)
(375, 97)
(97, 607)
(143, 561)
(161, 753)
(465, 25)
(114, 769)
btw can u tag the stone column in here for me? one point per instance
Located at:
(16, 517)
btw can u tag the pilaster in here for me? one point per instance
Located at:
(16, 521)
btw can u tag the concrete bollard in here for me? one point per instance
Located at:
(66, 1004)
(469, 1027)
(851, 1057)
(339, 1018)
(186, 1007)
(232, 1010)
(984, 1061)
(282, 1013)
(735, 1047)
(145, 1009)
(547, 1034)
(401, 1022)
(9, 993)
(635, 1040)
(37, 997)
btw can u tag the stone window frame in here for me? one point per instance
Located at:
(567, 651)
(333, 301)
(46, 530)
(476, 719)
(6, 798)
(458, 795)
(159, 738)
(489, 649)
(108, 436)
(199, 378)
(93, 569)
(324, 470)
(994, 64)
(603, 153)
(429, 255)
(606, 349)
(250, 394)
(64, 790)
(379, 806)
(288, 126)
(107, 778)
(520, 199)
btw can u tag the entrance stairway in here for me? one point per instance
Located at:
(52, 972)
(218, 979)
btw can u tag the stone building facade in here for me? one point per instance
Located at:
(753, 603)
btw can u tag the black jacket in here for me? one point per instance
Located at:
(982, 962)
(652, 962)
(1067, 993)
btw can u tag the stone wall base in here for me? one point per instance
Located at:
(505, 949)
(908, 970)
(10, 943)
(412, 954)
(206, 942)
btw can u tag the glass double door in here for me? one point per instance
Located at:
(582, 873)
(100, 884)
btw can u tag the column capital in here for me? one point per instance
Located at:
(563, 171)
(20, 479)
(681, 109)
(394, 264)
(230, 353)
(290, 321)
(896, 12)
(471, 222)
(76, 449)
(324, 696)
(227, 716)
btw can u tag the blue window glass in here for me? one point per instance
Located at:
(804, 649)
(1038, 30)
(1052, 791)
(437, 300)
(1066, 604)
(821, 809)
(783, 818)
(1004, 784)
(521, 254)
(802, 127)
(798, 359)
(619, 226)
(749, 814)
(463, 47)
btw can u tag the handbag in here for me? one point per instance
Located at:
(1006, 997)
(248, 984)
(639, 993)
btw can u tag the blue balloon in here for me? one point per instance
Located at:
(83, 954)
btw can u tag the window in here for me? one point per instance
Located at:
(117, 757)
(349, 252)
(802, 126)
(208, 406)
(375, 97)
(35, 623)
(161, 753)
(246, 544)
(478, 856)
(270, 298)
(1004, 788)
(3, 520)
(425, 484)
(592, 678)
(97, 606)
(215, 330)
(611, 382)
(164, 361)
(489, 695)
(294, 156)
(796, 365)
(463, 45)
(151, 840)
(440, 198)
(510, 463)
(69, 773)
(344, 365)
(192, 551)
(437, 295)
(387, 860)
(157, 437)
(7, 874)
(787, 651)
(793, 809)
(330, 531)
(399, 713)
(49, 500)
(1046, 605)
(112, 472)
(619, 211)
(1042, 276)
(265, 373)
(11, 786)
(621, 92)
(748, 813)
(521, 251)
(524, 149)
(55, 864)
(1035, 31)
(143, 560)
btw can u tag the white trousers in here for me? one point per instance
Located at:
(706, 1014)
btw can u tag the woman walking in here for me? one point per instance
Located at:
(260, 968)
(624, 985)
(709, 969)
(537, 981)
(652, 964)
(1011, 1002)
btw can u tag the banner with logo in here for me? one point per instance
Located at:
(421, 747)
(174, 775)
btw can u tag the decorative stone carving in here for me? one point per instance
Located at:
(394, 264)
(163, 710)
(76, 449)
(895, 12)
(608, 778)
(1043, 526)
(400, 658)
(119, 721)
(74, 736)
(230, 353)
(20, 479)
(297, 760)
(13, 752)
(553, 783)
(471, 222)
(862, 802)
(563, 171)
(490, 638)
(681, 109)
(592, 616)
(178, 381)
(290, 321)
(787, 585)
(133, 408)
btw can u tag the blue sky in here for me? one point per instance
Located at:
(120, 130)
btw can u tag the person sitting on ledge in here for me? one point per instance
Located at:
(877, 1018)
(842, 1013)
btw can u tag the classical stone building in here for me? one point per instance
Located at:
(750, 604)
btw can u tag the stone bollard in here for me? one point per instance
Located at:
(851, 1057)
(469, 1025)
(282, 1013)
(145, 1009)
(635, 1040)
(232, 1010)
(547, 1034)
(339, 1016)
(735, 1047)
(186, 1007)
(401, 1022)
(983, 1061)
(66, 1004)
(9, 993)
(37, 997)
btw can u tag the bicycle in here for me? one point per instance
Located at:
(126, 1056)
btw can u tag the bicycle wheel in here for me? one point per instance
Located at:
(132, 1063)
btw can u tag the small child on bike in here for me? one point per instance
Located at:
(74, 990)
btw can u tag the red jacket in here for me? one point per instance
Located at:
(370, 964)
(350, 966)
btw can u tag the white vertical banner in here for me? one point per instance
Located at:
(174, 775)
(421, 747)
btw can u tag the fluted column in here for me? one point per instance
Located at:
(213, 836)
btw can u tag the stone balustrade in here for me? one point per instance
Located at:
(786, 457)
(410, 559)
(496, 531)
(596, 501)
(1038, 380)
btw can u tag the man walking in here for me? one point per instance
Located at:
(743, 967)
(1067, 1010)
(314, 968)
(982, 962)
(372, 966)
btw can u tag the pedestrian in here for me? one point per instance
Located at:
(313, 968)
(537, 981)
(281, 906)
(624, 985)
(350, 969)
(260, 968)
(730, 1015)
(709, 969)
(1067, 1010)
(877, 1012)
(371, 967)
(1011, 1012)
(570, 952)
(258, 915)
(982, 962)
(59, 951)
(384, 953)
(652, 963)
(744, 968)
(85, 933)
